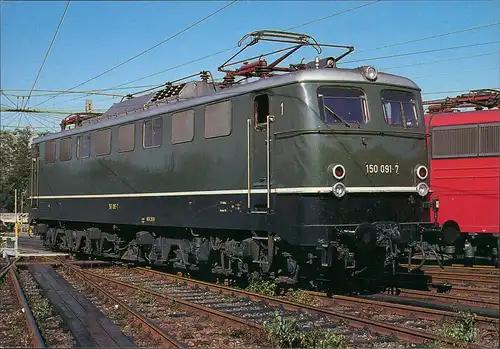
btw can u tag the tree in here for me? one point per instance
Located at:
(15, 165)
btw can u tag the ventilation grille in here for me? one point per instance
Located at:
(169, 91)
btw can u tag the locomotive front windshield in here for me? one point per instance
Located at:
(399, 108)
(343, 106)
(349, 106)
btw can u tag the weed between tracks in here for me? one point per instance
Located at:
(268, 288)
(257, 285)
(301, 296)
(461, 328)
(284, 332)
(145, 298)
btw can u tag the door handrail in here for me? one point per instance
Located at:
(269, 120)
(249, 164)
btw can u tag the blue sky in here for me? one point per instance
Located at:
(96, 36)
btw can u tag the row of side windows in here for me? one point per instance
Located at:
(466, 141)
(218, 123)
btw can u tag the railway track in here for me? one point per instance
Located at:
(477, 290)
(457, 270)
(461, 274)
(482, 302)
(38, 260)
(211, 295)
(490, 282)
(9, 310)
(465, 271)
(149, 326)
(418, 311)
(424, 312)
(66, 318)
(484, 276)
(123, 292)
(6, 267)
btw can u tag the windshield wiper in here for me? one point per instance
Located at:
(337, 116)
(403, 116)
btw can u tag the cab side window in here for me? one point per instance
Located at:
(261, 111)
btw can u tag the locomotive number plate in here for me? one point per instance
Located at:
(382, 169)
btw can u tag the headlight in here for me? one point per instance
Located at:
(339, 190)
(422, 172)
(370, 72)
(422, 189)
(338, 172)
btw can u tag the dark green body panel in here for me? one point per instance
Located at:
(300, 156)
(303, 150)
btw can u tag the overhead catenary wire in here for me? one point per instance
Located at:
(234, 47)
(332, 15)
(429, 37)
(53, 92)
(147, 50)
(397, 55)
(10, 100)
(48, 52)
(441, 60)
(456, 73)
(419, 52)
(310, 22)
(381, 69)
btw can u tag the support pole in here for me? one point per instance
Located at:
(16, 225)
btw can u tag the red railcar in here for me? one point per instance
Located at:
(465, 172)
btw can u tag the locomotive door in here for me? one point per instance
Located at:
(34, 178)
(259, 155)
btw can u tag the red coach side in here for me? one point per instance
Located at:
(465, 174)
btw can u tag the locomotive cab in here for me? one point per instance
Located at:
(347, 162)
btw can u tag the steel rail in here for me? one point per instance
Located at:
(6, 269)
(478, 268)
(38, 341)
(468, 280)
(460, 274)
(167, 340)
(489, 291)
(376, 326)
(54, 263)
(426, 313)
(475, 266)
(440, 296)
